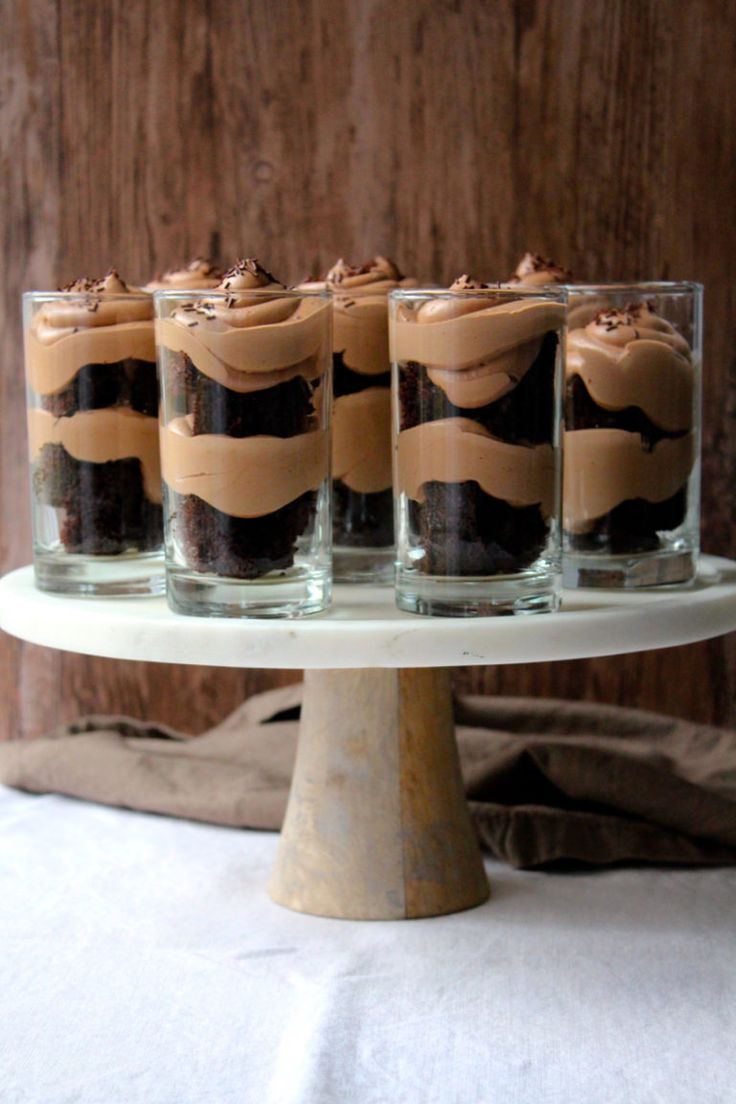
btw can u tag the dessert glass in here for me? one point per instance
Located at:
(363, 521)
(92, 402)
(477, 385)
(245, 450)
(632, 434)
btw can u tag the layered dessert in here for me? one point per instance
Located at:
(476, 454)
(93, 417)
(361, 429)
(630, 442)
(199, 274)
(244, 444)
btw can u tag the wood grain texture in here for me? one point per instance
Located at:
(451, 134)
(377, 826)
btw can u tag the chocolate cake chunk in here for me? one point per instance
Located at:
(634, 526)
(281, 411)
(465, 531)
(128, 382)
(240, 548)
(347, 382)
(524, 415)
(105, 511)
(582, 412)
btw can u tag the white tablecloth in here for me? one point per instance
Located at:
(143, 963)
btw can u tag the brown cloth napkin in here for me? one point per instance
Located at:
(549, 782)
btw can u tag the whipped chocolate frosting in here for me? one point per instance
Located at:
(633, 357)
(360, 317)
(195, 276)
(102, 322)
(476, 348)
(245, 341)
(98, 436)
(454, 450)
(533, 270)
(242, 476)
(605, 467)
(361, 440)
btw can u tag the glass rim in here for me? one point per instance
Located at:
(554, 293)
(646, 287)
(112, 296)
(168, 294)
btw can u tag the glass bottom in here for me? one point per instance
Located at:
(130, 574)
(641, 569)
(363, 565)
(297, 593)
(496, 596)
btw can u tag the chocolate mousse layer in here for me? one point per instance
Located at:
(629, 440)
(92, 417)
(361, 453)
(244, 449)
(475, 450)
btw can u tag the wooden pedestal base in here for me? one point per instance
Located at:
(377, 826)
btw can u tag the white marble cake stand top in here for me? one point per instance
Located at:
(363, 628)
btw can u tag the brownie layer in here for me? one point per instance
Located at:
(241, 548)
(128, 382)
(360, 520)
(582, 412)
(281, 411)
(633, 525)
(345, 381)
(524, 415)
(465, 531)
(105, 509)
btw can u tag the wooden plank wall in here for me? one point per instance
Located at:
(450, 135)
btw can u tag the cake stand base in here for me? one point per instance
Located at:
(377, 826)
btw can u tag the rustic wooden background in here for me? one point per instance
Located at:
(450, 135)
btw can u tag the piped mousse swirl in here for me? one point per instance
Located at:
(246, 342)
(199, 274)
(360, 320)
(475, 348)
(101, 322)
(534, 270)
(633, 357)
(632, 374)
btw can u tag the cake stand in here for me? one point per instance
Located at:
(377, 825)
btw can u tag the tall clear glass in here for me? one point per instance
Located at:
(632, 434)
(363, 524)
(245, 449)
(477, 387)
(92, 399)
